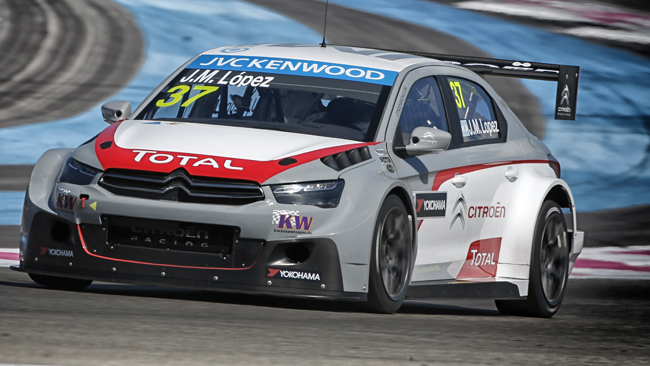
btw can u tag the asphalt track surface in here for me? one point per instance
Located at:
(601, 321)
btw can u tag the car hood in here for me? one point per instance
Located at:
(211, 150)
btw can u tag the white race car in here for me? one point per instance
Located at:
(301, 170)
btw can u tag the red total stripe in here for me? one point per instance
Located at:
(445, 175)
(254, 170)
(596, 264)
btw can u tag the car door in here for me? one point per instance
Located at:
(489, 173)
(441, 232)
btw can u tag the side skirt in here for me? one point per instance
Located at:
(463, 290)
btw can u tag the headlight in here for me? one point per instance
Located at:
(321, 194)
(77, 173)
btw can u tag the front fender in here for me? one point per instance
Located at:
(41, 186)
(366, 188)
(44, 175)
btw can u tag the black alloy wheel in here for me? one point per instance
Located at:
(391, 261)
(549, 268)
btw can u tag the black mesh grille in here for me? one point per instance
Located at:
(180, 186)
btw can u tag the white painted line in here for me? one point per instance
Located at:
(588, 273)
(20, 364)
(609, 34)
(613, 262)
(527, 11)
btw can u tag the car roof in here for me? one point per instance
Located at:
(356, 56)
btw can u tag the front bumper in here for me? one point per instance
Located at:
(59, 247)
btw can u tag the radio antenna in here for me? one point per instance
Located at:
(325, 24)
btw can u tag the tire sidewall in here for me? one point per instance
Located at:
(378, 298)
(535, 290)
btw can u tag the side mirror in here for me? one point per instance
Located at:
(426, 140)
(116, 111)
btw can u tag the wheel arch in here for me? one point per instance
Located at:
(404, 196)
(523, 214)
(559, 195)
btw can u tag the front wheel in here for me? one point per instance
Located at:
(60, 283)
(549, 267)
(390, 265)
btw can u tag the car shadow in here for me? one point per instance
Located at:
(311, 304)
(428, 308)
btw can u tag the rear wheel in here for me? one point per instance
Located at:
(549, 268)
(60, 283)
(391, 257)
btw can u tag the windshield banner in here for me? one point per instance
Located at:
(295, 67)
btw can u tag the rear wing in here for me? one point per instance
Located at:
(565, 76)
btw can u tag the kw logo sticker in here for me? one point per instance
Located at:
(65, 202)
(289, 222)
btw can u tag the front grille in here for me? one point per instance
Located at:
(169, 235)
(180, 186)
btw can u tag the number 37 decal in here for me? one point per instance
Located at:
(176, 94)
(458, 93)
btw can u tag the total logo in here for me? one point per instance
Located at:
(482, 259)
(293, 275)
(57, 252)
(183, 160)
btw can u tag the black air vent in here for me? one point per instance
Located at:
(180, 186)
(348, 158)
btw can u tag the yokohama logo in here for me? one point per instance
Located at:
(57, 252)
(294, 275)
(430, 204)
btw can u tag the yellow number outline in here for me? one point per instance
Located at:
(206, 90)
(177, 97)
(455, 87)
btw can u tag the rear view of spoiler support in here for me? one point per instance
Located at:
(565, 76)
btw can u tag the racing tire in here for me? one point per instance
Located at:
(60, 283)
(391, 258)
(549, 268)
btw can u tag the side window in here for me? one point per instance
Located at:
(423, 108)
(478, 120)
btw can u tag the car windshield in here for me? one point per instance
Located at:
(302, 104)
